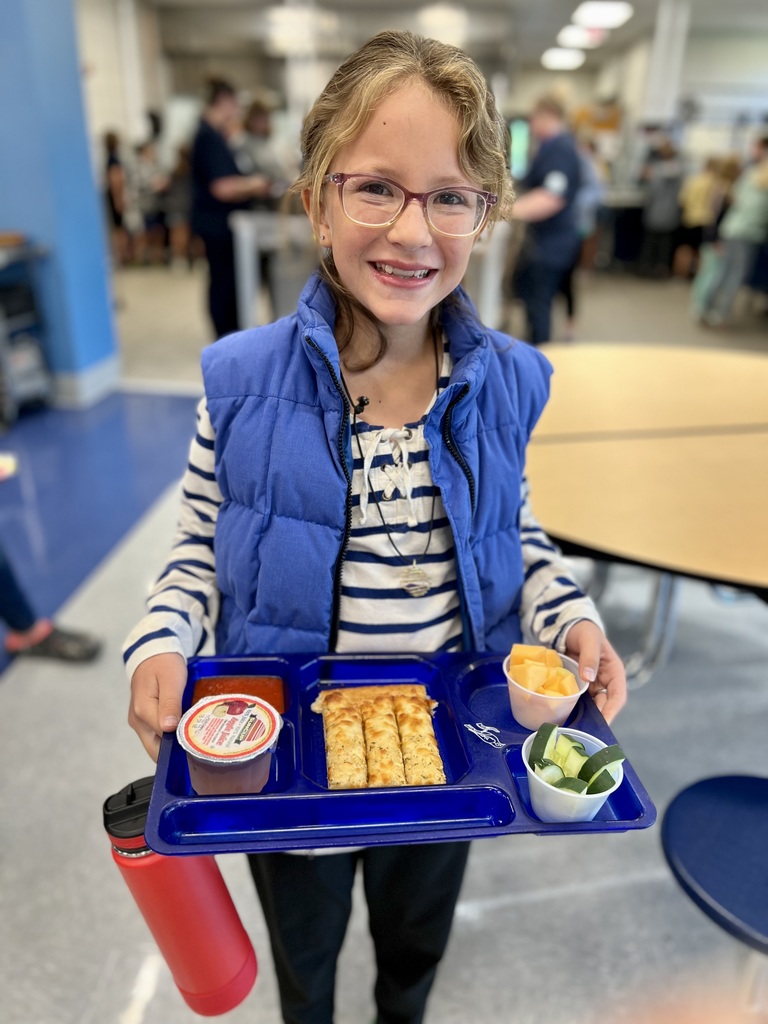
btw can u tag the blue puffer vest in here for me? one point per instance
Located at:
(283, 459)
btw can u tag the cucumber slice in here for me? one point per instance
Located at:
(571, 784)
(573, 762)
(602, 781)
(562, 750)
(548, 771)
(543, 743)
(609, 757)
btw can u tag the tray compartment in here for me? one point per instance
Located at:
(482, 690)
(332, 673)
(621, 806)
(342, 815)
(282, 772)
(213, 668)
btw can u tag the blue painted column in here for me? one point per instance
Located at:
(48, 192)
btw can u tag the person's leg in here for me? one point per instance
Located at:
(222, 289)
(536, 285)
(738, 258)
(569, 294)
(306, 902)
(31, 635)
(411, 893)
(15, 608)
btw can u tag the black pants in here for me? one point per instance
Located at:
(15, 610)
(536, 284)
(411, 892)
(222, 289)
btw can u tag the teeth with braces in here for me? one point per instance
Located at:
(387, 269)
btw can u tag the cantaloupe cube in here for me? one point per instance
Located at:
(522, 653)
(529, 675)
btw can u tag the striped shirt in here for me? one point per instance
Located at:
(398, 523)
(391, 479)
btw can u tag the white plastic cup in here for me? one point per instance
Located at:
(552, 804)
(531, 709)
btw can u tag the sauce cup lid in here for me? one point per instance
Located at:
(229, 728)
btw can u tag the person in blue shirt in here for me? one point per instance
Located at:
(547, 205)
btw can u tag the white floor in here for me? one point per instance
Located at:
(573, 929)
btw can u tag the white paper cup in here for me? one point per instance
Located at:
(534, 709)
(552, 804)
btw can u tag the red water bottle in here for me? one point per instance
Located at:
(187, 906)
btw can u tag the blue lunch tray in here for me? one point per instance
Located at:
(480, 742)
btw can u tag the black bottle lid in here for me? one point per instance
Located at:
(125, 813)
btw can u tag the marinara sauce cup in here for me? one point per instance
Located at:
(229, 740)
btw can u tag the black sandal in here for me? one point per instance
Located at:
(63, 645)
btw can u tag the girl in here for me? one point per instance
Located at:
(356, 483)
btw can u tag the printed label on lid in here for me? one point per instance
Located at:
(229, 727)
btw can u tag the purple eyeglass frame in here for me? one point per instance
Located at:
(491, 198)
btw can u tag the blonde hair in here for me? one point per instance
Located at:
(366, 78)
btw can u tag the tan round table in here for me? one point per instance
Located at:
(657, 456)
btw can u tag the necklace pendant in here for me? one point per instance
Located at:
(415, 581)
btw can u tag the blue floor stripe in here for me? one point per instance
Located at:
(85, 478)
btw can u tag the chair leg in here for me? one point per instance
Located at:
(660, 632)
(755, 986)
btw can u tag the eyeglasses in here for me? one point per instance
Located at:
(377, 202)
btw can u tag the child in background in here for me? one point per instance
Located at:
(357, 484)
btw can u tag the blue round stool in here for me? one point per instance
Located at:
(715, 837)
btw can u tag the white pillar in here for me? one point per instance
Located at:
(665, 68)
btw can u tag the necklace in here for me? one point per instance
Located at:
(413, 579)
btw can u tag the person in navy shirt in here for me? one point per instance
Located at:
(547, 206)
(218, 188)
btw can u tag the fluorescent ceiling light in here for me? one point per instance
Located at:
(581, 38)
(559, 58)
(602, 13)
(295, 30)
(444, 22)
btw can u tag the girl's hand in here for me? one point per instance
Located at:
(600, 664)
(156, 689)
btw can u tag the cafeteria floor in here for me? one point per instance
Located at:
(577, 929)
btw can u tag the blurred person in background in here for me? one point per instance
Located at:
(699, 198)
(661, 177)
(547, 206)
(151, 186)
(256, 153)
(587, 202)
(743, 229)
(219, 188)
(178, 204)
(117, 196)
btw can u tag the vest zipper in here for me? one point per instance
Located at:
(348, 512)
(450, 444)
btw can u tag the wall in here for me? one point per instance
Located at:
(576, 88)
(47, 191)
(728, 76)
